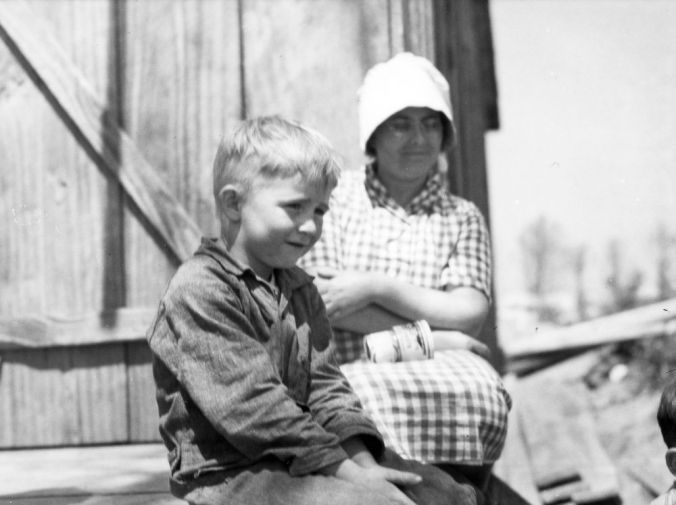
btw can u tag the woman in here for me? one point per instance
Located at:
(397, 248)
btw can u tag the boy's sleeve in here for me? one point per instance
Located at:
(207, 343)
(470, 263)
(332, 400)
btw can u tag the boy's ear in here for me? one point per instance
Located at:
(230, 197)
(671, 460)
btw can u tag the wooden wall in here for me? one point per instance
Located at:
(77, 255)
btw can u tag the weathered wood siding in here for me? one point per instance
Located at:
(174, 75)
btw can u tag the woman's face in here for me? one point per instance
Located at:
(407, 145)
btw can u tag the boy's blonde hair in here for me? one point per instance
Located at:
(271, 146)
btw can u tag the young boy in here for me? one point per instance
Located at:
(666, 418)
(253, 407)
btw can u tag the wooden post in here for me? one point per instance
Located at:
(463, 50)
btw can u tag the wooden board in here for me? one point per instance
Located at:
(63, 396)
(117, 325)
(143, 415)
(656, 319)
(64, 87)
(560, 433)
(116, 499)
(514, 466)
(182, 85)
(129, 474)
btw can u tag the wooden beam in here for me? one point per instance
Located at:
(514, 466)
(566, 453)
(649, 321)
(126, 474)
(116, 325)
(113, 151)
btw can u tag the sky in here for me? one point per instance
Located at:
(587, 97)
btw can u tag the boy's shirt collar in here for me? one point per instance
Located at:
(286, 279)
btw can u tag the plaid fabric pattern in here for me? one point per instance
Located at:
(450, 409)
(439, 240)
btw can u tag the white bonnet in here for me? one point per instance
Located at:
(406, 80)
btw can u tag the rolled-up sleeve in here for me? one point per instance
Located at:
(209, 344)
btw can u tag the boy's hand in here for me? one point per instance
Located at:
(376, 478)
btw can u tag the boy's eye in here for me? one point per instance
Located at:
(294, 206)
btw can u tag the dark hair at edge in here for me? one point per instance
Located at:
(666, 413)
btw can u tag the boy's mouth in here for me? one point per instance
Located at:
(299, 245)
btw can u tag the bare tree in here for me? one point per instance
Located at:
(665, 243)
(579, 270)
(623, 287)
(540, 245)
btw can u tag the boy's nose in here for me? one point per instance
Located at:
(308, 227)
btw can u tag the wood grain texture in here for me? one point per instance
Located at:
(304, 60)
(183, 92)
(80, 472)
(514, 465)
(78, 106)
(143, 418)
(412, 27)
(88, 328)
(654, 320)
(63, 396)
(562, 439)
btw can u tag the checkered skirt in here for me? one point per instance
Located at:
(452, 408)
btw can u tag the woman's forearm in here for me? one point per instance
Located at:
(367, 320)
(462, 308)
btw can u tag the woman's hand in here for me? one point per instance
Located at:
(344, 292)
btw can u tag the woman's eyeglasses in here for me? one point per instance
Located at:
(405, 127)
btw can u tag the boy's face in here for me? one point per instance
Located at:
(280, 220)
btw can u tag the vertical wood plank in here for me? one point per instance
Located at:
(32, 412)
(99, 376)
(143, 414)
(58, 194)
(182, 92)
(458, 56)
(304, 59)
(412, 27)
(22, 264)
(63, 396)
